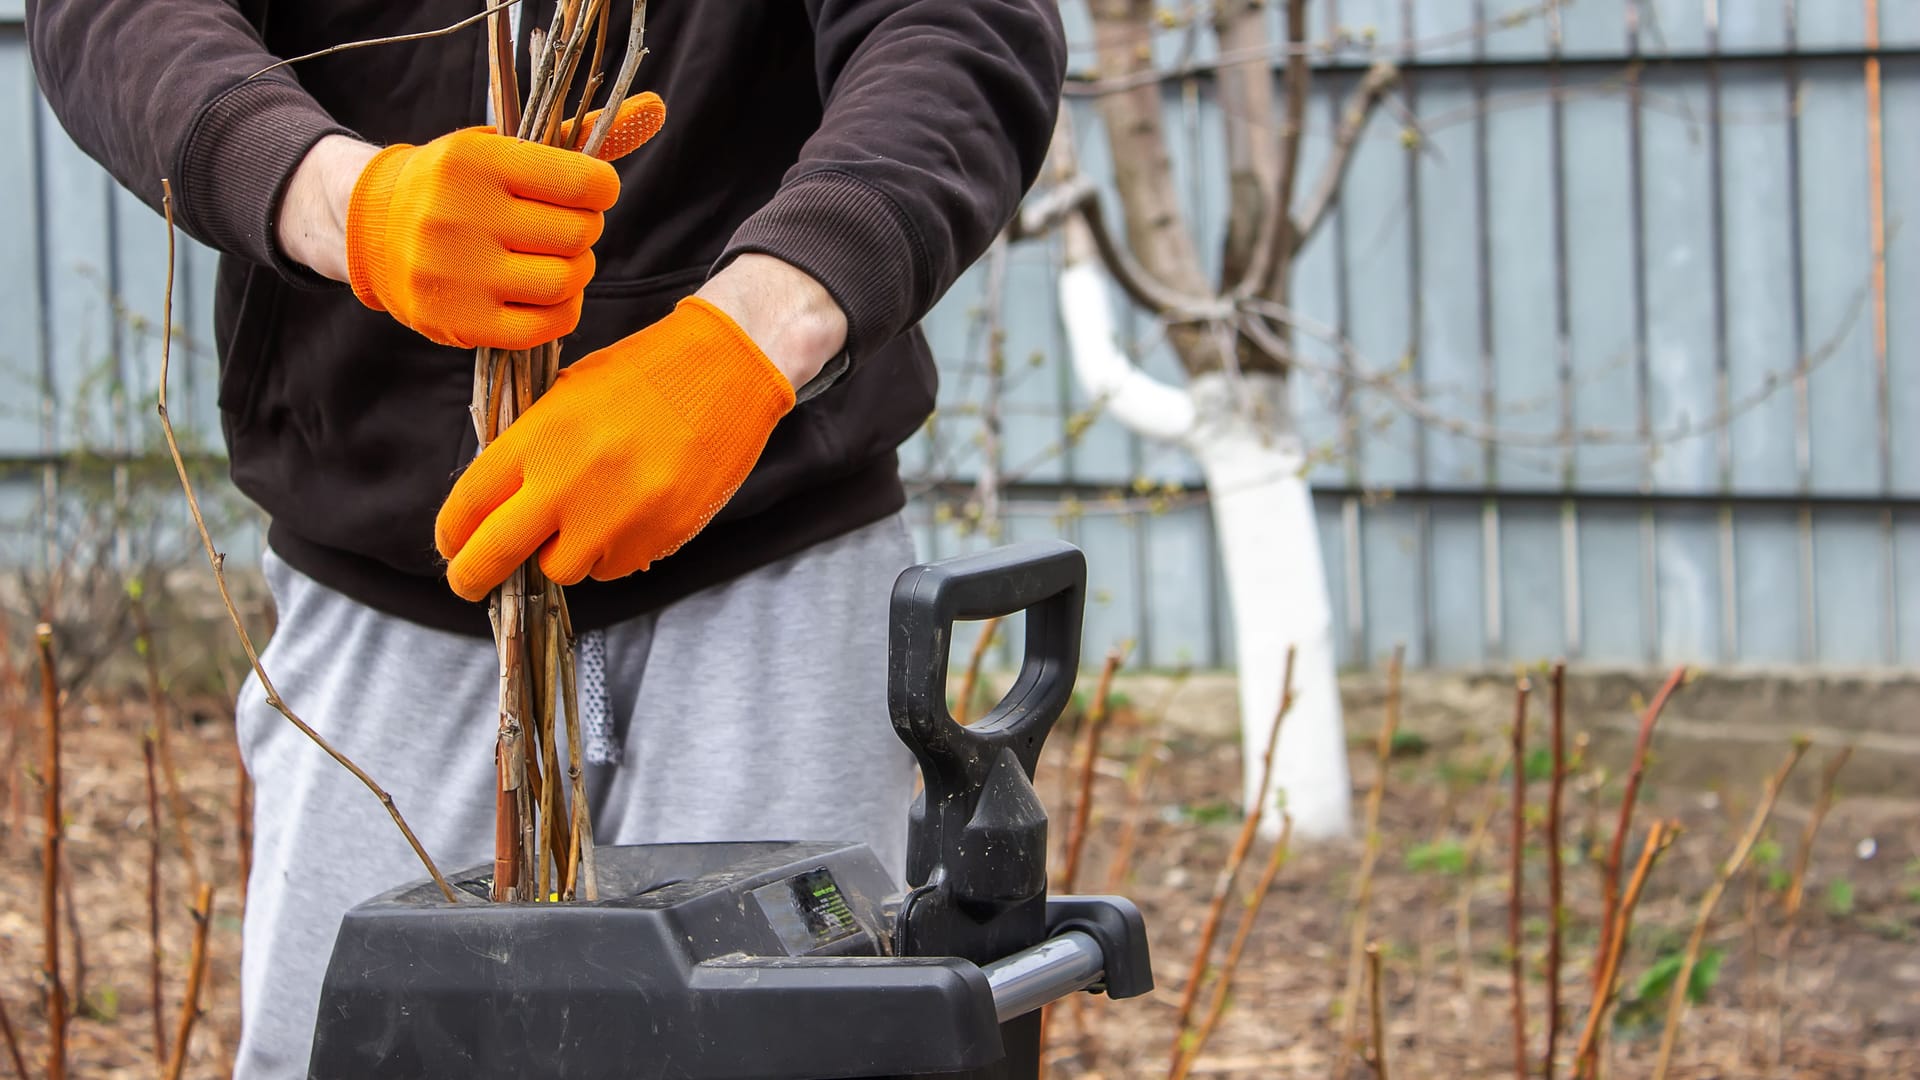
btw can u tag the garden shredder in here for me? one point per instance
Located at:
(779, 960)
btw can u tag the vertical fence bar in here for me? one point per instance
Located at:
(1802, 422)
(1489, 391)
(1416, 317)
(1722, 358)
(1643, 403)
(1882, 387)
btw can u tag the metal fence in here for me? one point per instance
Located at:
(1654, 247)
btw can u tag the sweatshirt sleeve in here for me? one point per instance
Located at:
(162, 88)
(937, 117)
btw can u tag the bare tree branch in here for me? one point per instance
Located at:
(1353, 120)
(1254, 157)
(1157, 229)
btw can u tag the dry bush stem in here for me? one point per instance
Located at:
(1139, 781)
(1470, 855)
(1223, 885)
(13, 1042)
(162, 726)
(153, 905)
(970, 681)
(1555, 885)
(1516, 886)
(1610, 872)
(1586, 1054)
(56, 995)
(1377, 1016)
(1796, 892)
(1360, 900)
(1677, 1000)
(1096, 722)
(397, 39)
(218, 562)
(196, 978)
(1217, 1005)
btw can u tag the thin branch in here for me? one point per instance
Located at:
(1217, 1005)
(56, 995)
(1133, 80)
(1377, 1014)
(162, 724)
(1223, 884)
(1139, 781)
(1516, 885)
(1610, 873)
(970, 681)
(395, 40)
(1360, 897)
(1677, 1000)
(13, 1042)
(1096, 722)
(622, 82)
(1333, 174)
(1272, 258)
(1470, 857)
(1660, 835)
(153, 905)
(218, 562)
(196, 976)
(1556, 919)
(1796, 890)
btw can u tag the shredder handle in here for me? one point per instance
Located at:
(1047, 580)
(1044, 974)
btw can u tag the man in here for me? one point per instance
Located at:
(739, 299)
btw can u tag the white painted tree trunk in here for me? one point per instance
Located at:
(1243, 436)
(1270, 546)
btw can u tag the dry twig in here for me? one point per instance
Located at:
(13, 1042)
(1556, 921)
(1610, 872)
(1516, 886)
(1223, 885)
(1095, 722)
(1586, 1058)
(1677, 1000)
(218, 562)
(153, 904)
(55, 992)
(1377, 1017)
(196, 977)
(1217, 1005)
(1796, 889)
(970, 681)
(1360, 900)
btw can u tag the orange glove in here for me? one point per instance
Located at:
(626, 458)
(478, 238)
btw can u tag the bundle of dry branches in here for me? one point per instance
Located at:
(543, 838)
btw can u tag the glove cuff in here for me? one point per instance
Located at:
(367, 225)
(714, 375)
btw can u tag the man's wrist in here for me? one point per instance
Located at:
(311, 227)
(789, 315)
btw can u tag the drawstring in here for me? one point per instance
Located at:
(596, 713)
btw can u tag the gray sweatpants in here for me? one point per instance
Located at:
(733, 709)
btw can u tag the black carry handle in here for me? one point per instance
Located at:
(1047, 580)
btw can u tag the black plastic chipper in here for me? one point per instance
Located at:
(795, 960)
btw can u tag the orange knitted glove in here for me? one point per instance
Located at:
(626, 458)
(477, 238)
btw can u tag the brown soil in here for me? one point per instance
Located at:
(1850, 1005)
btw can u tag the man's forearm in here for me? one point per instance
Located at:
(312, 224)
(787, 313)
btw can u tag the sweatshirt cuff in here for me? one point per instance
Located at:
(853, 239)
(235, 164)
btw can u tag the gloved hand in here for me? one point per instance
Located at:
(628, 456)
(478, 238)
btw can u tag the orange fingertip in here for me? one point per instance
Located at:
(640, 118)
